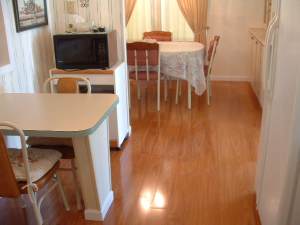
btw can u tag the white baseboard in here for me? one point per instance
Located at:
(130, 131)
(231, 78)
(96, 215)
(93, 215)
(107, 203)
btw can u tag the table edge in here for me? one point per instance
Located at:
(66, 134)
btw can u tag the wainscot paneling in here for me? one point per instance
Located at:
(30, 55)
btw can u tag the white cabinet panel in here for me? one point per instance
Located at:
(257, 52)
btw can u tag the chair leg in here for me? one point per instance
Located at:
(138, 90)
(129, 93)
(36, 209)
(62, 192)
(166, 88)
(210, 89)
(189, 96)
(170, 83)
(158, 95)
(208, 94)
(177, 91)
(180, 88)
(76, 185)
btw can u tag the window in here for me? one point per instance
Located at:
(173, 20)
(140, 20)
(170, 16)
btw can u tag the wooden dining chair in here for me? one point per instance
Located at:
(211, 53)
(158, 35)
(144, 65)
(67, 84)
(210, 56)
(26, 171)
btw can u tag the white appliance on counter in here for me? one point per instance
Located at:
(278, 171)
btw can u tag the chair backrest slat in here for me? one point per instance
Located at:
(8, 184)
(143, 54)
(158, 35)
(212, 50)
(141, 49)
(68, 84)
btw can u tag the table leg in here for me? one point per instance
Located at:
(177, 91)
(166, 87)
(180, 88)
(189, 95)
(94, 170)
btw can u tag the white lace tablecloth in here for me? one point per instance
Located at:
(184, 60)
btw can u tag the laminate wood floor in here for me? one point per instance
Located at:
(179, 167)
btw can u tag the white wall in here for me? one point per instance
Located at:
(30, 55)
(231, 19)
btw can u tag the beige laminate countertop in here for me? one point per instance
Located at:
(259, 34)
(109, 71)
(56, 115)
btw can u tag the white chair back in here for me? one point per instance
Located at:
(212, 53)
(23, 150)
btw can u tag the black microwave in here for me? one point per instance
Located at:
(85, 50)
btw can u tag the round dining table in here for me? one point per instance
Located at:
(184, 61)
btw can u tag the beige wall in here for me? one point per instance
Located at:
(4, 57)
(231, 19)
(31, 55)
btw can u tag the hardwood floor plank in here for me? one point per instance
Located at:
(179, 167)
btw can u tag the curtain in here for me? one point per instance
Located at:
(140, 20)
(129, 6)
(195, 12)
(150, 15)
(173, 20)
(156, 15)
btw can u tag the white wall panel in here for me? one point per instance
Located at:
(231, 19)
(31, 55)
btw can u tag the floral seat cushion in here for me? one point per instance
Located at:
(41, 161)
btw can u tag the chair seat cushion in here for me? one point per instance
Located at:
(142, 75)
(41, 162)
(44, 141)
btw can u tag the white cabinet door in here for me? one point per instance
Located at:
(256, 68)
(276, 162)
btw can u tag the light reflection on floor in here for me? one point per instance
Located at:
(149, 201)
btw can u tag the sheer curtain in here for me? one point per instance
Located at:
(170, 17)
(140, 20)
(173, 20)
